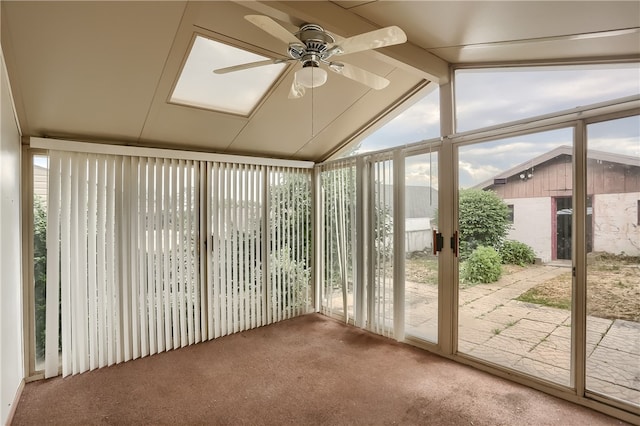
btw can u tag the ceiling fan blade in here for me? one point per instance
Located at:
(248, 65)
(387, 36)
(358, 74)
(272, 27)
(297, 90)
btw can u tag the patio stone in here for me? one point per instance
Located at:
(503, 316)
(550, 315)
(543, 370)
(594, 338)
(623, 336)
(558, 343)
(470, 294)
(527, 335)
(483, 305)
(509, 344)
(536, 325)
(521, 309)
(562, 331)
(508, 293)
(474, 337)
(618, 367)
(600, 325)
(475, 325)
(607, 388)
(494, 355)
(555, 351)
(530, 338)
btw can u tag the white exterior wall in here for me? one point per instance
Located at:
(532, 224)
(417, 234)
(11, 348)
(615, 223)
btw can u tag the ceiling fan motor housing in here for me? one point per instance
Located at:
(315, 40)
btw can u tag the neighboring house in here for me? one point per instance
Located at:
(40, 182)
(421, 203)
(539, 195)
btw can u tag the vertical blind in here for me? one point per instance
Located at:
(381, 247)
(339, 239)
(259, 231)
(151, 254)
(342, 245)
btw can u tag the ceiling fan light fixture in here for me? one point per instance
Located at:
(311, 76)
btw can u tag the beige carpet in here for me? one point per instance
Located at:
(309, 370)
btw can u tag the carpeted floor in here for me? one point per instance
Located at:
(309, 370)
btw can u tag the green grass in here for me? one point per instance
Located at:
(533, 296)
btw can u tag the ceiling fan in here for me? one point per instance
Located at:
(313, 46)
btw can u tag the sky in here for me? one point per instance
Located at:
(489, 97)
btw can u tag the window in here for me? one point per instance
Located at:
(419, 122)
(40, 192)
(237, 92)
(612, 270)
(487, 97)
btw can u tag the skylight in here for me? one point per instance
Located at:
(237, 92)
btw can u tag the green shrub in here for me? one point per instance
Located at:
(516, 253)
(482, 266)
(482, 220)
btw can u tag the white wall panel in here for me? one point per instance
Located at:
(615, 223)
(532, 214)
(11, 350)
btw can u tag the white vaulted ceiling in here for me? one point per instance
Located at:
(104, 71)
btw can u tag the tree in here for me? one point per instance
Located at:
(40, 272)
(483, 220)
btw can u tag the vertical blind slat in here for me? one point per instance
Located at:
(151, 252)
(185, 237)
(215, 259)
(199, 282)
(189, 268)
(83, 320)
(134, 249)
(65, 266)
(121, 330)
(125, 260)
(143, 203)
(167, 254)
(51, 365)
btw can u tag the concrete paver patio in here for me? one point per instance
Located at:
(526, 337)
(535, 339)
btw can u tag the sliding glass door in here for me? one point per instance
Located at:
(515, 224)
(421, 261)
(613, 266)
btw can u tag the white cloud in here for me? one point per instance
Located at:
(422, 173)
(626, 146)
(419, 122)
(472, 174)
(488, 97)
